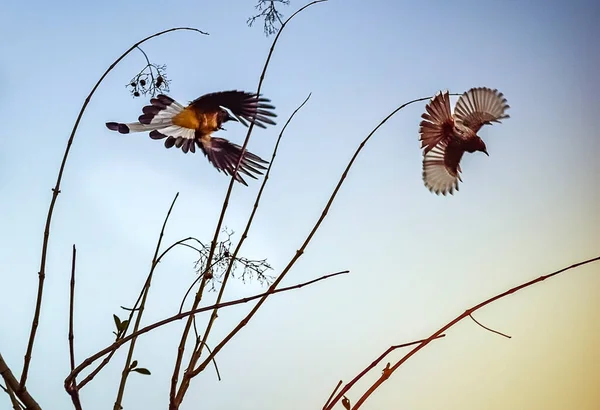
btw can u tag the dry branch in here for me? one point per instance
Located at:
(140, 310)
(246, 230)
(299, 252)
(74, 393)
(12, 384)
(56, 191)
(460, 317)
(114, 346)
(332, 401)
(175, 395)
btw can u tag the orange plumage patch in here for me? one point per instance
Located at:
(187, 119)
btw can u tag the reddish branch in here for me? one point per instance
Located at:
(329, 404)
(489, 329)
(465, 314)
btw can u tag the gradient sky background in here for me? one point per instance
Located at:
(416, 259)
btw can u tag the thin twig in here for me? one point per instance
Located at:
(337, 386)
(105, 361)
(299, 252)
(491, 330)
(11, 395)
(140, 311)
(71, 310)
(13, 384)
(330, 403)
(199, 278)
(248, 225)
(118, 343)
(176, 396)
(148, 62)
(199, 340)
(460, 317)
(73, 392)
(56, 191)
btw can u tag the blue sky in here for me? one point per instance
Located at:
(416, 259)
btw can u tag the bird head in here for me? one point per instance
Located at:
(483, 148)
(224, 116)
(477, 144)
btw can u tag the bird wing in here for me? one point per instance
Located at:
(441, 168)
(480, 106)
(243, 105)
(158, 119)
(225, 155)
(437, 122)
(176, 136)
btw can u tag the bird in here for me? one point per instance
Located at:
(445, 137)
(187, 126)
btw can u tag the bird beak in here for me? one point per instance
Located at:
(486, 153)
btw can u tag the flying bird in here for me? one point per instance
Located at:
(194, 124)
(445, 137)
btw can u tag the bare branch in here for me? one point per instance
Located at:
(140, 311)
(299, 252)
(152, 79)
(71, 309)
(118, 343)
(330, 403)
(491, 330)
(247, 229)
(74, 391)
(269, 13)
(12, 384)
(337, 387)
(56, 191)
(175, 397)
(11, 395)
(460, 317)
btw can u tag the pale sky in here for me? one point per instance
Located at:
(416, 259)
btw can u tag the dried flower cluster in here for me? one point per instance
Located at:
(270, 15)
(251, 269)
(152, 79)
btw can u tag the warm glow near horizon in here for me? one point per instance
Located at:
(416, 260)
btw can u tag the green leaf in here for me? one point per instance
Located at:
(117, 322)
(124, 325)
(141, 370)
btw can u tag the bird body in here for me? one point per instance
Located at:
(445, 137)
(194, 124)
(190, 118)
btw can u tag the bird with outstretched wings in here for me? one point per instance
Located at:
(185, 127)
(445, 137)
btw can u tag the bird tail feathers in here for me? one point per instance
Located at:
(156, 116)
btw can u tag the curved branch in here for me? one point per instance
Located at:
(332, 401)
(247, 229)
(13, 384)
(460, 317)
(140, 310)
(113, 347)
(299, 252)
(175, 397)
(489, 329)
(56, 191)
